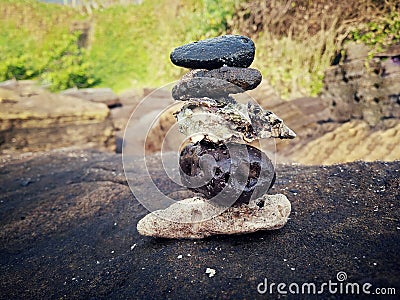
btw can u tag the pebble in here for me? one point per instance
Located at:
(213, 53)
(245, 78)
(210, 272)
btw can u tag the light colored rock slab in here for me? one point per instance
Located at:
(235, 122)
(99, 95)
(33, 119)
(172, 221)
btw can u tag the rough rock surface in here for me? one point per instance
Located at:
(358, 92)
(229, 171)
(320, 140)
(32, 119)
(213, 53)
(245, 78)
(68, 219)
(351, 141)
(269, 213)
(232, 122)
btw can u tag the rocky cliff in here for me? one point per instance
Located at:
(355, 118)
(363, 88)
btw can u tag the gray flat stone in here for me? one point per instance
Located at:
(245, 78)
(213, 53)
(101, 95)
(200, 87)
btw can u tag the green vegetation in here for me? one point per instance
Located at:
(129, 45)
(295, 67)
(35, 43)
(67, 65)
(298, 40)
(379, 33)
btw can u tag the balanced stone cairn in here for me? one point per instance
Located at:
(218, 161)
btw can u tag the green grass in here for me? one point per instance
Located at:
(132, 44)
(35, 42)
(294, 67)
(129, 45)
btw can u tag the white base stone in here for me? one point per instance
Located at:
(235, 220)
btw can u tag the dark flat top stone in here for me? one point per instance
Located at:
(68, 230)
(213, 53)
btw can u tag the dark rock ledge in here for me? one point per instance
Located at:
(68, 230)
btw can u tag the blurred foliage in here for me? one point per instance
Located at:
(216, 17)
(68, 65)
(129, 45)
(298, 40)
(35, 43)
(295, 68)
(380, 33)
(61, 66)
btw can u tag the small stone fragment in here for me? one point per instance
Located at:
(268, 212)
(210, 272)
(213, 53)
(201, 87)
(226, 171)
(266, 124)
(245, 78)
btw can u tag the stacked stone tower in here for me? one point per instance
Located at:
(219, 159)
